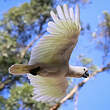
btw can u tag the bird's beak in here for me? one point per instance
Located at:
(86, 74)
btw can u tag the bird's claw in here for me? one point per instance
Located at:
(86, 74)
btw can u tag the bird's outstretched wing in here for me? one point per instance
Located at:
(56, 47)
(47, 89)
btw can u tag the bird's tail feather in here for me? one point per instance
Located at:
(19, 69)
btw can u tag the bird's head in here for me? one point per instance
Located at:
(85, 72)
(79, 70)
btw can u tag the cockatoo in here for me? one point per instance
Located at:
(49, 62)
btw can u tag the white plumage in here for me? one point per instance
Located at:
(52, 54)
(48, 90)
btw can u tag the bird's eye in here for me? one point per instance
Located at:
(84, 69)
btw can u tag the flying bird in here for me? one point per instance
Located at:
(49, 65)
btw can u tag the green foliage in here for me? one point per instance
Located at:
(106, 23)
(28, 12)
(84, 60)
(7, 50)
(88, 62)
(27, 20)
(93, 68)
(21, 98)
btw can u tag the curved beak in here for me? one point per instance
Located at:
(86, 74)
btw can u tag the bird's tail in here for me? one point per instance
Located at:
(19, 69)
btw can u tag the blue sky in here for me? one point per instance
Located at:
(95, 94)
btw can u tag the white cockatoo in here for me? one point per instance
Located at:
(49, 63)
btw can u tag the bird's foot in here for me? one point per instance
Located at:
(86, 74)
(34, 71)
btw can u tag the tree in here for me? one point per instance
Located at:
(19, 29)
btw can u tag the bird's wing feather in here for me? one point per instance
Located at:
(47, 89)
(58, 45)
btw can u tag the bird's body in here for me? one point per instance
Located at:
(49, 65)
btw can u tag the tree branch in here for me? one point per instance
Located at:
(29, 45)
(76, 101)
(2, 84)
(7, 81)
(77, 87)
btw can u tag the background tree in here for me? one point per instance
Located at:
(20, 28)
